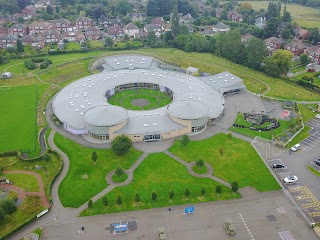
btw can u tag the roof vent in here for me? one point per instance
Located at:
(145, 125)
(227, 75)
(118, 63)
(232, 78)
(154, 124)
(114, 60)
(81, 113)
(127, 60)
(77, 110)
(220, 77)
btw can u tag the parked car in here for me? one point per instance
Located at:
(290, 179)
(296, 147)
(278, 165)
(318, 116)
(317, 162)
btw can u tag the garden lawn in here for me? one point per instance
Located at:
(306, 113)
(160, 173)
(239, 162)
(76, 188)
(26, 182)
(18, 125)
(284, 125)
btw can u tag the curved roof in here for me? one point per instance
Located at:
(188, 109)
(105, 115)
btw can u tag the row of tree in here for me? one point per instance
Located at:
(154, 195)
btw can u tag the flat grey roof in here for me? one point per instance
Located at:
(188, 109)
(105, 115)
(72, 102)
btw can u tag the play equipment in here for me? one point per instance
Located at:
(231, 229)
(161, 234)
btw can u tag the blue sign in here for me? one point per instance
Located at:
(188, 210)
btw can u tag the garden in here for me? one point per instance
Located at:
(160, 181)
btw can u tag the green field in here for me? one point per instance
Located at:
(238, 161)
(18, 129)
(308, 17)
(86, 178)
(26, 182)
(284, 125)
(155, 98)
(160, 173)
(314, 171)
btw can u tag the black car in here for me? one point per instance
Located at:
(317, 162)
(278, 165)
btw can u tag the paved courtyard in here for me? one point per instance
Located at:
(263, 216)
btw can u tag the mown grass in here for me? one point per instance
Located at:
(308, 17)
(118, 179)
(161, 174)
(74, 190)
(239, 160)
(48, 171)
(18, 123)
(200, 169)
(26, 182)
(124, 99)
(313, 171)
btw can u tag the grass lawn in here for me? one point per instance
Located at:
(159, 173)
(265, 134)
(308, 17)
(200, 170)
(86, 178)
(306, 113)
(48, 172)
(124, 99)
(18, 129)
(26, 182)
(29, 208)
(118, 179)
(72, 46)
(239, 162)
(315, 172)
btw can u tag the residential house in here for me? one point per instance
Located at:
(186, 18)
(166, 27)
(158, 21)
(42, 4)
(38, 27)
(116, 21)
(245, 38)
(51, 36)
(314, 53)
(28, 11)
(7, 40)
(80, 38)
(313, 67)
(152, 27)
(137, 17)
(3, 30)
(274, 43)
(131, 29)
(235, 16)
(92, 33)
(69, 36)
(301, 33)
(62, 25)
(103, 22)
(5, 18)
(220, 27)
(142, 34)
(206, 30)
(296, 47)
(218, 12)
(260, 22)
(18, 29)
(115, 31)
(29, 40)
(83, 22)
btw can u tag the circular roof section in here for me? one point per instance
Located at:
(105, 115)
(188, 110)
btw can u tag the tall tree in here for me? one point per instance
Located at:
(273, 10)
(23, 3)
(97, 12)
(256, 51)
(49, 10)
(152, 8)
(175, 22)
(271, 28)
(278, 63)
(20, 47)
(123, 7)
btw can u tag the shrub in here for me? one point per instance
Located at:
(221, 151)
(234, 186)
(185, 140)
(119, 200)
(200, 163)
(43, 65)
(8, 206)
(154, 196)
(121, 145)
(94, 156)
(171, 194)
(105, 201)
(137, 198)
(119, 171)
(90, 203)
(29, 64)
(218, 189)
(187, 192)
(203, 191)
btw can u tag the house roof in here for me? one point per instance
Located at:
(114, 30)
(8, 37)
(274, 40)
(83, 19)
(314, 49)
(39, 24)
(91, 28)
(19, 26)
(62, 21)
(158, 20)
(192, 69)
(51, 32)
(28, 38)
(130, 26)
(102, 18)
(246, 37)
(221, 25)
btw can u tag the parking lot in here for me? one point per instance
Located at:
(265, 216)
(313, 140)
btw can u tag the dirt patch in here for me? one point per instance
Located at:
(140, 102)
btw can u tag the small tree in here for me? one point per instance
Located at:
(218, 189)
(154, 196)
(105, 201)
(137, 198)
(8, 206)
(234, 186)
(119, 171)
(90, 203)
(185, 140)
(304, 59)
(108, 42)
(121, 145)
(171, 194)
(200, 163)
(229, 135)
(20, 47)
(187, 192)
(221, 151)
(47, 157)
(119, 200)
(94, 156)
(203, 191)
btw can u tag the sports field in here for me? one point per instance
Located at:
(18, 127)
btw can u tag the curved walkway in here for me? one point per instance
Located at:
(190, 166)
(41, 193)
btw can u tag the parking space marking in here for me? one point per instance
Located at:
(285, 173)
(246, 226)
(285, 235)
(274, 160)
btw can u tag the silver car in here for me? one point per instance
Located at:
(290, 179)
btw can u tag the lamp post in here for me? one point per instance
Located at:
(259, 133)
